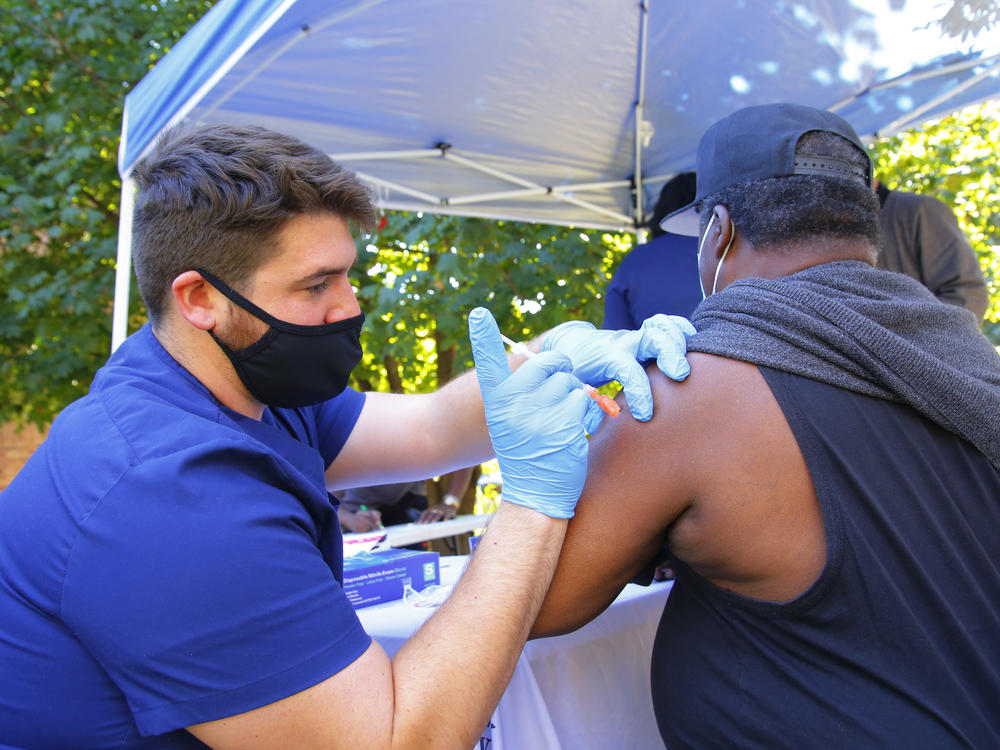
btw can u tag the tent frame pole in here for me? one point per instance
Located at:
(534, 186)
(894, 127)
(530, 188)
(641, 127)
(918, 76)
(123, 266)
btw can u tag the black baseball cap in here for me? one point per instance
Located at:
(757, 142)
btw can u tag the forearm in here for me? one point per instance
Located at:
(414, 436)
(974, 298)
(458, 485)
(463, 657)
(442, 686)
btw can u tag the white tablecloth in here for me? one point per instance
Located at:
(587, 689)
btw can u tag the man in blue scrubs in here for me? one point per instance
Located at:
(170, 558)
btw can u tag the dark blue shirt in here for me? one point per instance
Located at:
(166, 561)
(658, 277)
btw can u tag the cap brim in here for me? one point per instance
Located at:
(682, 221)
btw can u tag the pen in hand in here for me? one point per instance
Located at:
(607, 403)
(373, 515)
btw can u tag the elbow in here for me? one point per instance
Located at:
(558, 620)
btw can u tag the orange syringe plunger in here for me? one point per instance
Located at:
(608, 404)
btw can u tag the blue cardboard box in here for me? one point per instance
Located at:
(376, 577)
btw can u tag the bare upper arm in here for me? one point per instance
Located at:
(408, 437)
(718, 471)
(373, 454)
(639, 480)
(351, 709)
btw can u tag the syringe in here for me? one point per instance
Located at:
(605, 402)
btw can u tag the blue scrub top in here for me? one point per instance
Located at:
(166, 561)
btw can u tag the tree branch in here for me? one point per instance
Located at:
(392, 373)
(99, 204)
(445, 359)
(506, 279)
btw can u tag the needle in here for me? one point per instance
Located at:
(605, 402)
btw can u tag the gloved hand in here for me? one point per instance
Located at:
(601, 356)
(535, 418)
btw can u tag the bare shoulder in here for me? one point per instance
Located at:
(709, 375)
(753, 524)
(641, 478)
(716, 472)
(696, 418)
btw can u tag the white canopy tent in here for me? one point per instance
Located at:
(567, 112)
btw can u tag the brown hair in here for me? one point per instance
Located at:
(214, 197)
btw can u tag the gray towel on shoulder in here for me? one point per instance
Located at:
(874, 332)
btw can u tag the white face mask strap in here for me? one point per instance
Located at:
(700, 246)
(705, 236)
(715, 281)
(732, 233)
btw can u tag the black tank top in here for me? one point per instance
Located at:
(896, 644)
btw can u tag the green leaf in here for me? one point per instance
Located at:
(62, 65)
(54, 122)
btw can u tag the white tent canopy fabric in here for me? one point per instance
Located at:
(566, 112)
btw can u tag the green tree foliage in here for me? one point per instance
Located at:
(420, 275)
(64, 71)
(955, 159)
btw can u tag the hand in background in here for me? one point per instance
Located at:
(437, 513)
(360, 521)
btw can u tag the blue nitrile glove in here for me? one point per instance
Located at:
(535, 418)
(602, 356)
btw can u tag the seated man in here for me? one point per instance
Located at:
(826, 479)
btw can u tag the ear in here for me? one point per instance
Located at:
(196, 299)
(720, 233)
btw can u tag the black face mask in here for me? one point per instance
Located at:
(293, 365)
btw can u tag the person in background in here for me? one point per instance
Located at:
(660, 276)
(921, 238)
(827, 479)
(367, 508)
(170, 559)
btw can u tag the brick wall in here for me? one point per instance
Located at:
(15, 448)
